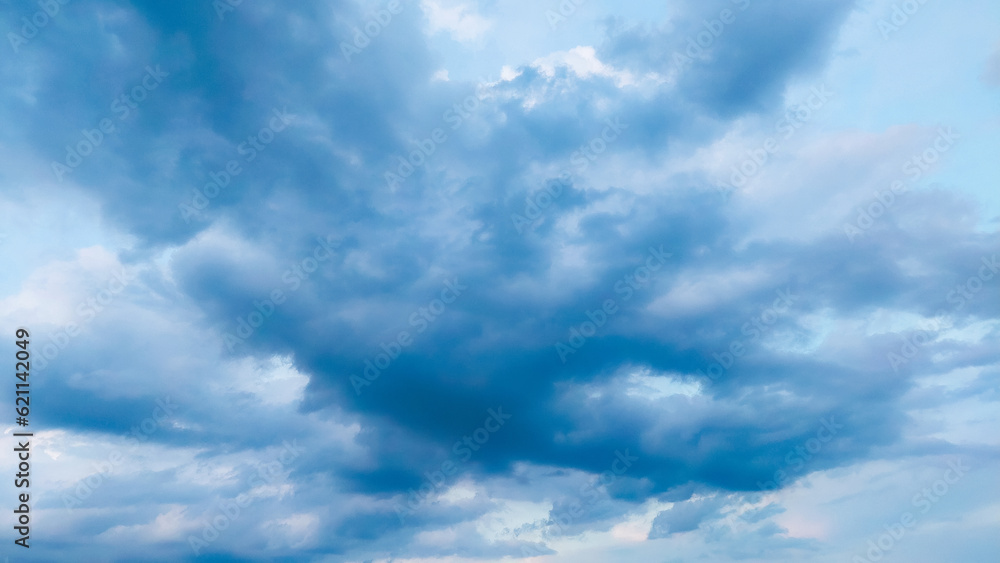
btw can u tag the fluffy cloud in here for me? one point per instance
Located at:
(335, 342)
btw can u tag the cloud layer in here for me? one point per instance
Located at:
(716, 304)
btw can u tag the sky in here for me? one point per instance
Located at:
(482, 281)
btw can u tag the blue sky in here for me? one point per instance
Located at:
(461, 280)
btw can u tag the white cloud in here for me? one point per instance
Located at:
(698, 291)
(460, 20)
(584, 63)
(170, 525)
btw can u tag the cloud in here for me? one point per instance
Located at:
(683, 517)
(992, 74)
(459, 19)
(583, 63)
(319, 267)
